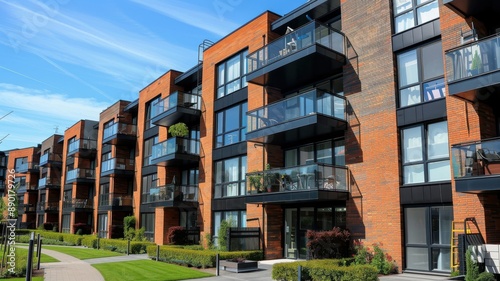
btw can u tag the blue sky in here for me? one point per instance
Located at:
(66, 60)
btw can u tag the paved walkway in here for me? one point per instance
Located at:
(70, 268)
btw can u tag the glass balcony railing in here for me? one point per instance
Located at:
(25, 167)
(480, 158)
(47, 206)
(115, 200)
(48, 181)
(299, 178)
(175, 145)
(119, 128)
(80, 174)
(473, 59)
(312, 102)
(171, 193)
(77, 203)
(44, 159)
(176, 99)
(297, 40)
(81, 144)
(117, 164)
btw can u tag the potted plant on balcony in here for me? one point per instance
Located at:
(270, 178)
(255, 181)
(179, 130)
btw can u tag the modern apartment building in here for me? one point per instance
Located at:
(79, 177)
(376, 116)
(25, 165)
(49, 184)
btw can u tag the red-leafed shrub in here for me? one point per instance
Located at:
(177, 235)
(329, 244)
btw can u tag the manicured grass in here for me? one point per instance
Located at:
(24, 278)
(147, 270)
(45, 258)
(82, 253)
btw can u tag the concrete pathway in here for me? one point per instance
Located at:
(69, 268)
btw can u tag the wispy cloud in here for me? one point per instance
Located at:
(36, 114)
(190, 14)
(86, 41)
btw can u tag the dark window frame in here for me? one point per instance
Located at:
(413, 9)
(315, 151)
(242, 129)
(219, 188)
(148, 113)
(421, 79)
(242, 78)
(424, 133)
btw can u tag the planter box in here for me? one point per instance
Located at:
(237, 267)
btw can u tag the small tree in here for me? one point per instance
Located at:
(476, 61)
(177, 235)
(328, 244)
(179, 130)
(129, 227)
(223, 229)
(471, 267)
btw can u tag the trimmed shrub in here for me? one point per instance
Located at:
(471, 267)
(177, 235)
(129, 227)
(136, 247)
(328, 244)
(197, 258)
(89, 241)
(324, 270)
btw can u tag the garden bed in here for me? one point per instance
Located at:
(239, 265)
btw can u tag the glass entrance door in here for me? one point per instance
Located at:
(290, 233)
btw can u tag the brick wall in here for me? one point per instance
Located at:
(374, 211)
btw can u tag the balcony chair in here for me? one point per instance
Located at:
(490, 161)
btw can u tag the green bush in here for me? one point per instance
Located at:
(136, 247)
(380, 260)
(486, 276)
(329, 244)
(129, 227)
(471, 267)
(324, 270)
(89, 241)
(197, 258)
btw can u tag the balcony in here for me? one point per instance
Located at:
(171, 196)
(310, 114)
(46, 207)
(175, 152)
(29, 167)
(80, 176)
(49, 183)
(50, 158)
(77, 205)
(82, 148)
(117, 166)
(312, 183)
(120, 133)
(486, 11)
(177, 107)
(27, 208)
(22, 188)
(307, 54)
(476, 166)
(115, 202)
(474, 66)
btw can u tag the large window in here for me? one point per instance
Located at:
(103, 225)
(148, 182)
(231, 74)
(325, 152)
(428, 238)
(425, 153)
(149, 113)
(231, 125)
(421, 75)
(66, 228)
(234, 218)
(230, 177)
(410, 13)
(148, 149)
(148, 222)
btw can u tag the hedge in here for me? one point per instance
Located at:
(324, 270)
(136, 247)
(198, 258)
(90, 241)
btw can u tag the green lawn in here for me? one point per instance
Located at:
(82, 253)
(24, 278)
(45, 258)
(147, 270)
